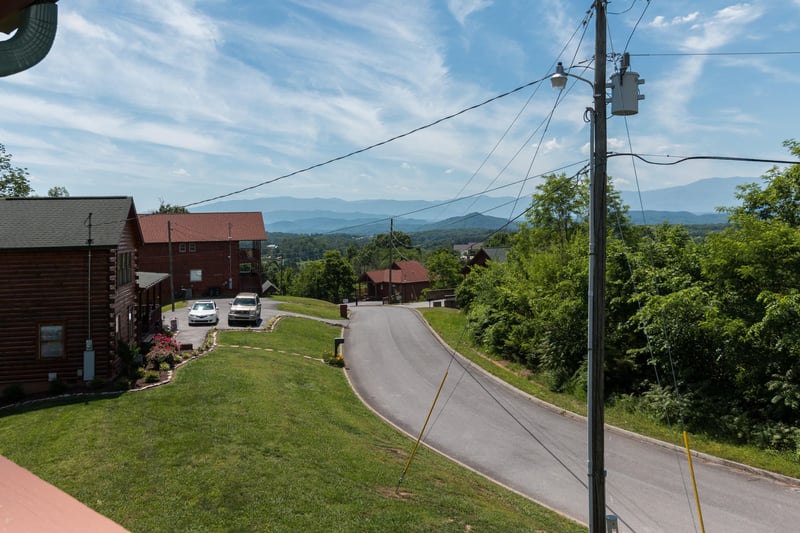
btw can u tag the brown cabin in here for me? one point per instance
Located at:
(212, 253)
(407, 280)
(69, 293)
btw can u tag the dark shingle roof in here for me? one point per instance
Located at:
(63, 222)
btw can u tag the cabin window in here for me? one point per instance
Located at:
(192, 247)
(124, 268)
(51, 341)
(182, 247)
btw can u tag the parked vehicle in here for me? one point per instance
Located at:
(246, 307)
(204, 312)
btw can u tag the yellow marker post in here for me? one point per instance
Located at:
(694, 483)
(422, 432)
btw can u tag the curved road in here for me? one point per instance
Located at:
(396, 364)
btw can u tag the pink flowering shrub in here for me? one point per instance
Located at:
(165, 349)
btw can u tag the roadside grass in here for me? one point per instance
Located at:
(179, 304)
(308, 306)
(450, 325)
(293, 335)
(251, 439)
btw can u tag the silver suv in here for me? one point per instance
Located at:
(246, 307)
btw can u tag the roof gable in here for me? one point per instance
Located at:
(402, 272)
(203, 227)
(40, 222)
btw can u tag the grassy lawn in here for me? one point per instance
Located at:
(308, 306)
(450, 324)
(179, 304)
(259, 435)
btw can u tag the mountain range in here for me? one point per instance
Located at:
(695, 203)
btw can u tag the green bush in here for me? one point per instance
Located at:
(131, 357)
(13, 394)
(333, 359)
(152, 376)
(57, 387)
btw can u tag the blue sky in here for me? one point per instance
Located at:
(182, 101)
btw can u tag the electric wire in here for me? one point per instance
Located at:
(370, 147)
(682, 159)
(452, 200)
(633, 3)
(690, 54)
(647, 336)
(583, 24)
(549, 117)
(635, 26)
(466, 365)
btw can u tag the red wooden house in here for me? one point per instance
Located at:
(211, 253)
(68, 291)
(407, 280)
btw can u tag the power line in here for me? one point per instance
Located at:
(628, 42)
(453, 200)
(656, 54)
(683, 159)
(372, 146)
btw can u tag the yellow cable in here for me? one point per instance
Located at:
(422, 431)
(694, 483)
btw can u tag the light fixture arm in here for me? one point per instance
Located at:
(559, 79)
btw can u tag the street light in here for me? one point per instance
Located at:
(625, 97)
(596, 295)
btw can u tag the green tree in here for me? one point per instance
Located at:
(444, 269)
(58, 192)
(165, 208)
(780, 197)
(559, 208)
(330, 278)
(307, 280)
(376, 253)
(14, 181)
(338, 279)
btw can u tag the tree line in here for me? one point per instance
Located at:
(699, 330)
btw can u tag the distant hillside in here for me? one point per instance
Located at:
(367, 225)
(653, 218)
(690, 204)
(700, 197)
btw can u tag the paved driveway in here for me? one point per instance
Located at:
(195, 335)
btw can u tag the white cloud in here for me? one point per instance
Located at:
(725, 26)
(661, 22)
(214, 96)
(461, 9)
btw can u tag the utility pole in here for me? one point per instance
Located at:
(89, 285)
(171, 277)
(597, 283)
(230, 260)
(624, 101)
(391, 246)
(88, 352)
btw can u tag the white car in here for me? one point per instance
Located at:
(204, 312)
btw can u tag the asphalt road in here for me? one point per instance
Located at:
(396, 365)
